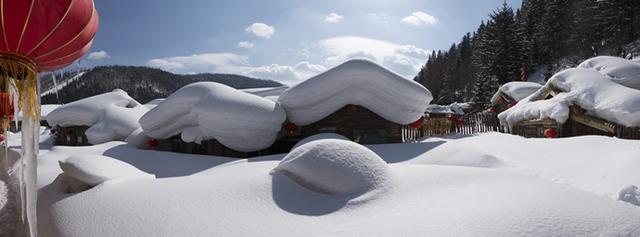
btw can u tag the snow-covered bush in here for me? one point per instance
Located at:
(209, 110)
(630, 194)
(335, 167)
(358, 82)
(86, 171)
(110, 116)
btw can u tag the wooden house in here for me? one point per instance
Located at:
(358, 99)
(356, 123)
(510, 93)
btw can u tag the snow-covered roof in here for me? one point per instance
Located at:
(358, 82)
(153, 103)
(455, 108)
(209, 110)
(266, 91)
(583, 87)
(110, 116)
(517, 90)
(622, 71)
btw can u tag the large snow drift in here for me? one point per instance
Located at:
(85, 171)
(583, 87)
(208, 110)
(546, 187)
(335, 166)
(110, 116)
(517, 90)
(622, 71)
(358, 82)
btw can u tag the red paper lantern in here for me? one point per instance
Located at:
(290, 127)
(449, 117)
(550, 133)
(153, 143)
(510, 105)
(2, 138)
(493, 110)
(38, 36)
(460, 122)
(417, 123)
(48, 34)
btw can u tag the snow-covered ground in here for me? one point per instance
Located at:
(486, 185)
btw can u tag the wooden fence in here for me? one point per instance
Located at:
(579, 124)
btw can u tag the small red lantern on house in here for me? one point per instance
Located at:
(290, 128)
(510, 105)
(1, 138)
(550, 133)
(459, 122)
(417, 123)
(153, 143)
(493, 110)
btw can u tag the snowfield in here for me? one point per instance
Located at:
(487, 185)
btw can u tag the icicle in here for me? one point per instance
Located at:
(55, 85)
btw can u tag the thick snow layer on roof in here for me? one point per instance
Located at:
(86, 171)
(358, 82)
(335, 167)
(455, 108)
(110, 116)
(547, 187)
(209, 110)
(583, 87)
(44, 111)
(153, 103)
(517, 90)
(622, 71)
(266, 91)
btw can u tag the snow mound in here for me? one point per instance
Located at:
(583, 87)
(358, 82)
(110, 116)
(462, 156)
(622, 71)
(517, 90)
(320, 137)
(85, 171)
(209, 110)
(335, 167)
(630, 194)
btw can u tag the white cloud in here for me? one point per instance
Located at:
(197, 63)
(97, 56)
(287, 74)
(333, 18)
(403, 59)
(261, 30)
(245, 44)
(235, 64)
(419, 19)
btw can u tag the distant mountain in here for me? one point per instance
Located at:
(142, 83)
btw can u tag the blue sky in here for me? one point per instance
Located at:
(285, 40)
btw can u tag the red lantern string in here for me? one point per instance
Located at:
(550, 133)
(153, 143)
(417, 123)
(290, 127)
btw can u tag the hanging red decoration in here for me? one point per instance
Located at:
(449, 117)
(38, 36)
(417, 123)
(493, 110)
(459, 122)
(290, 127)
(6, 109)
(2, 138)
(510, 105)
(550, 133)
(153, 143)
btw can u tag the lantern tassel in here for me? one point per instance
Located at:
(19, 92)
